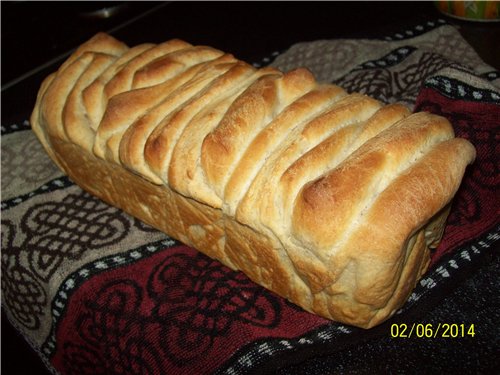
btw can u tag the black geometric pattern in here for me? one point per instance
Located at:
(205, 300)
(453, 88)
(52, 232)
(391, 59)
(416, 30)
(123, 323)
(22, 292)
(65, 229)
(81, 275)
(393, 85)
(11, 128)
(53, 185)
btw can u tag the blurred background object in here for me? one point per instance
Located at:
(482, 11)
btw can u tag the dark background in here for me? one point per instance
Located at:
(38, 36)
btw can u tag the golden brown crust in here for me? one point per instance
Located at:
(333, 150)
(123, 80)
(99, 43)
(329, 199)
(266, 142)
(94, 96)
(263, 192)
(185, 174)
(247, 114)
(76, 124)
(160, 142)
(173, 94)
(328, 206)
(125, 108)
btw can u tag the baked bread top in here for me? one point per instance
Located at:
(340, 180)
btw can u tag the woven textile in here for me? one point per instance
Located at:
(96, 291)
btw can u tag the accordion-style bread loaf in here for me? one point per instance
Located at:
(331, 200)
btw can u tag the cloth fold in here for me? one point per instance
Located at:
(95, 291)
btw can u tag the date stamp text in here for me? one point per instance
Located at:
(441, 330)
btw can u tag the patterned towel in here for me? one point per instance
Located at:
(95, 291)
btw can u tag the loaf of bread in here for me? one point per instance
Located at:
(331, 200)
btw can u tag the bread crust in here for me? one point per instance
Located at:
(331, 200)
